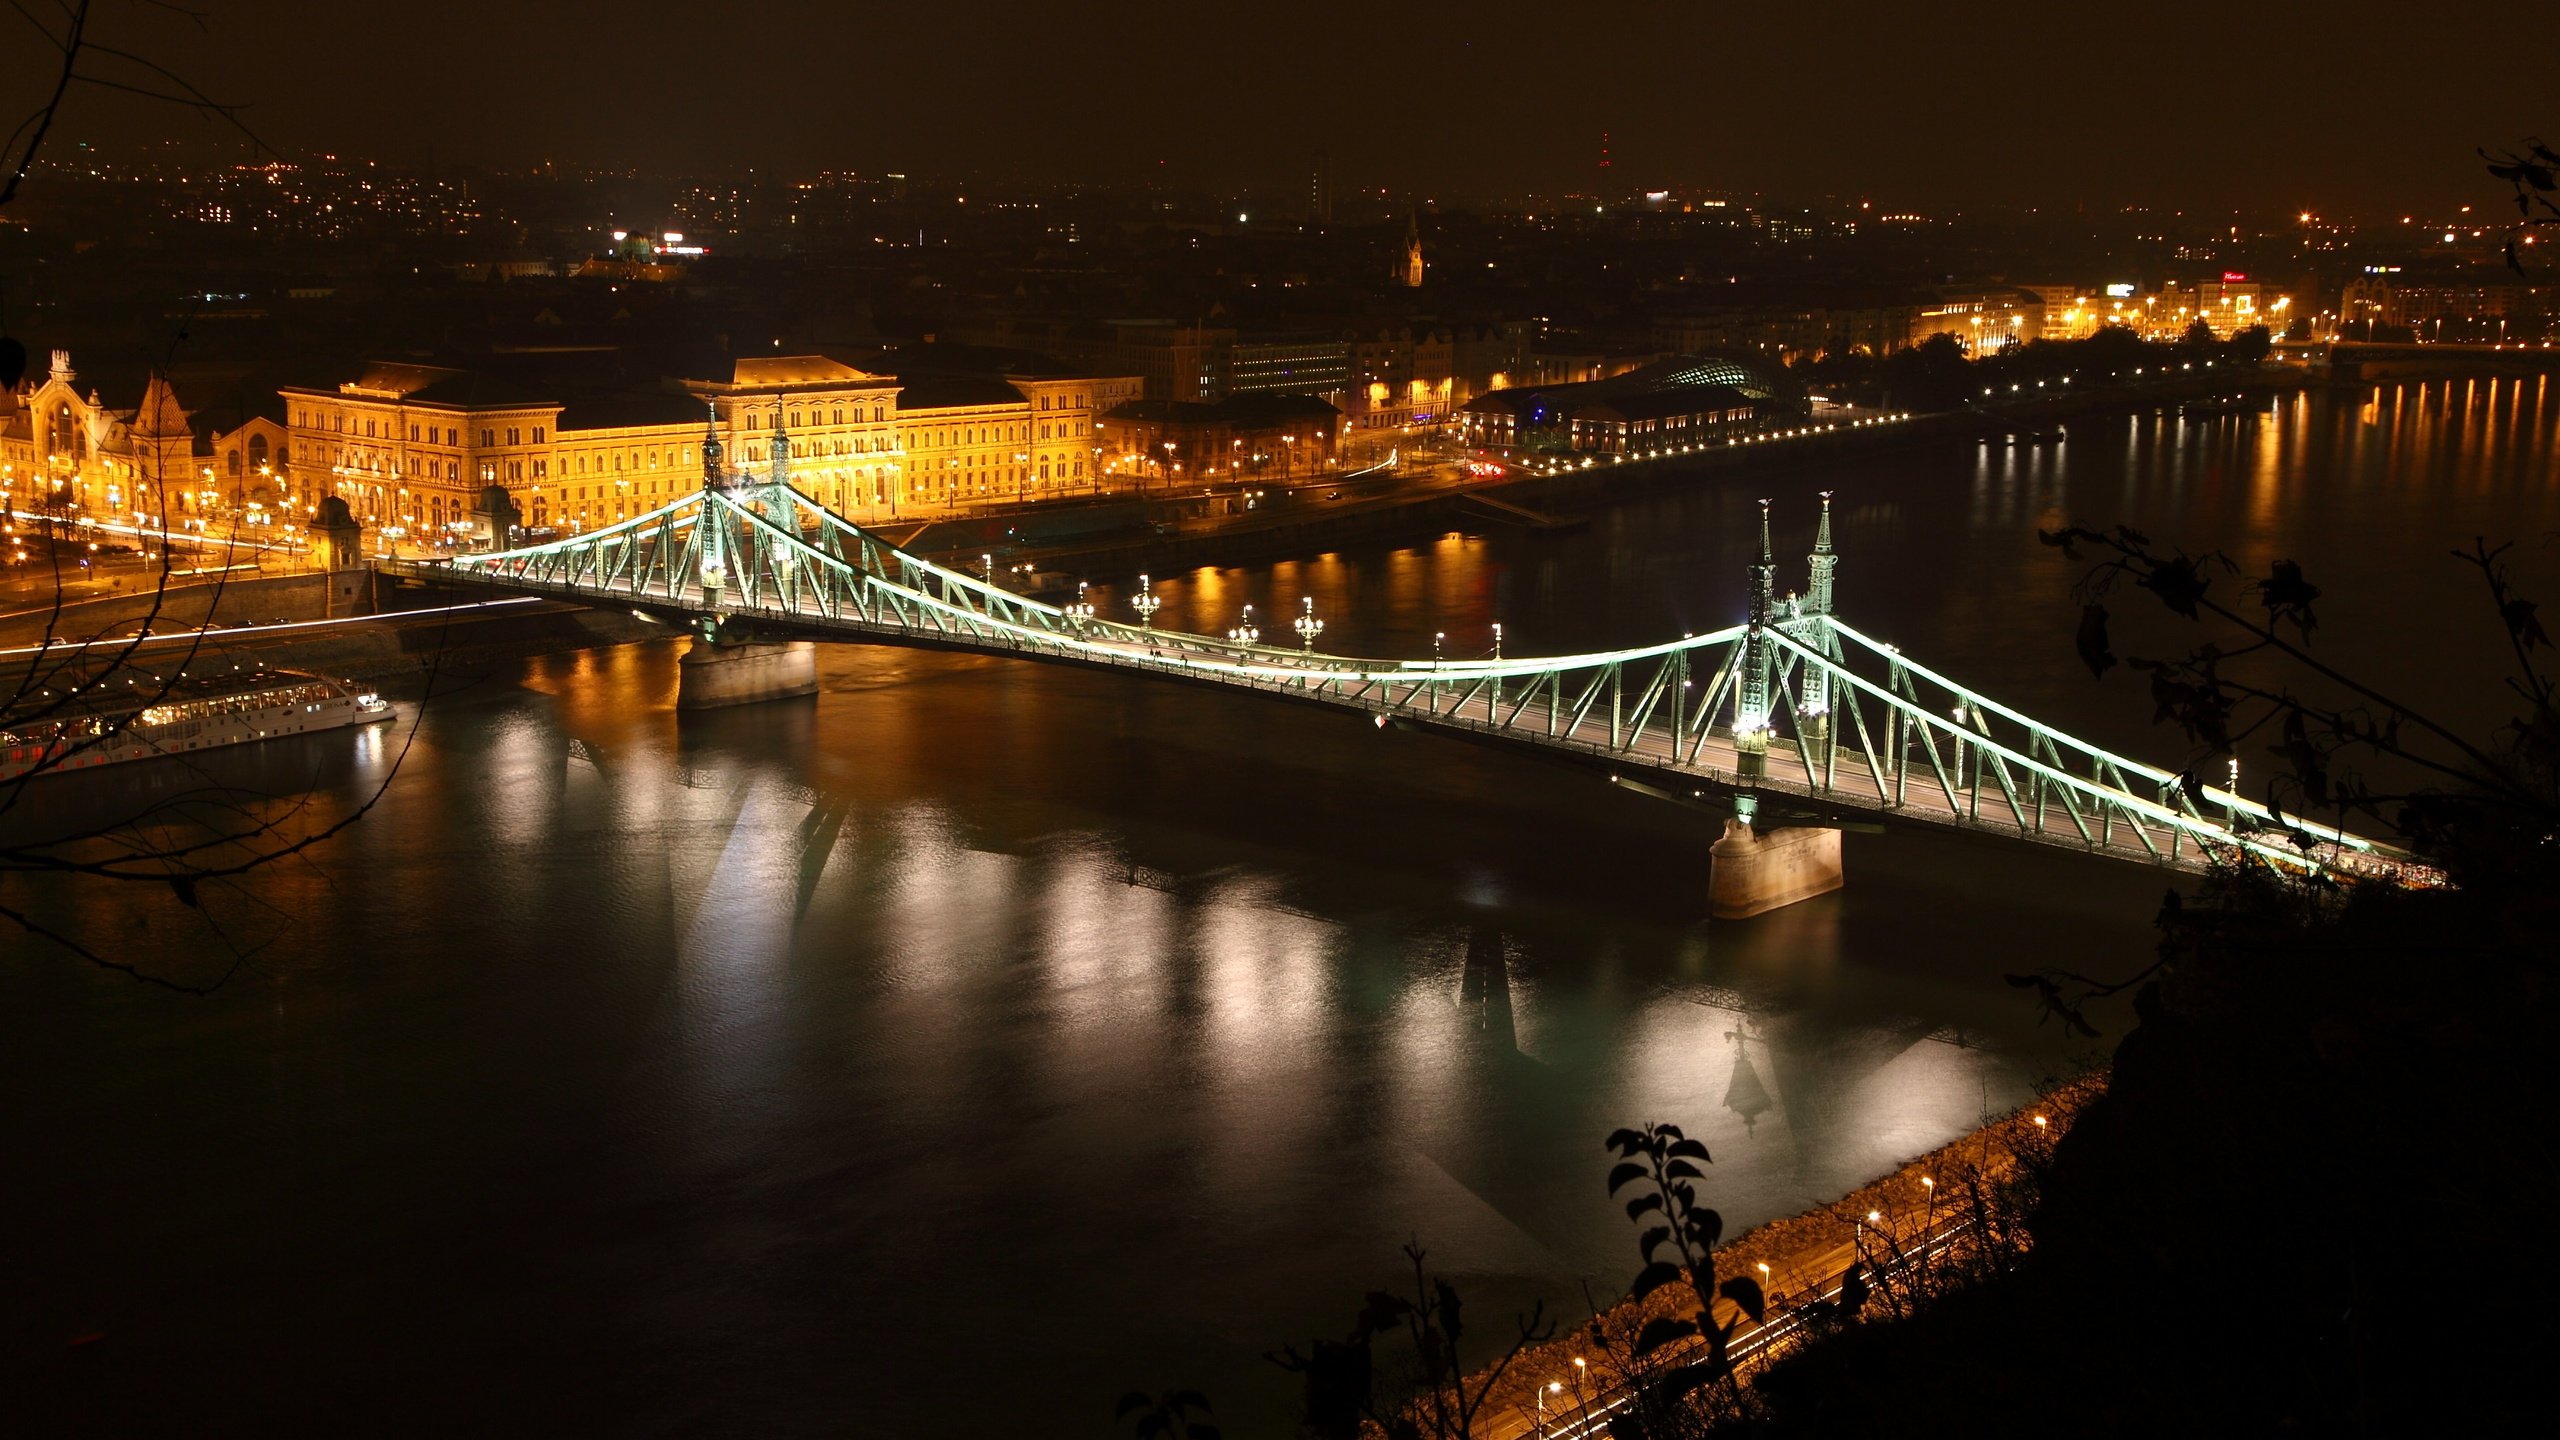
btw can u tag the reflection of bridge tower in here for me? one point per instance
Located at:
(1745, 1094)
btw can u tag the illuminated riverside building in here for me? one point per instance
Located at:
(66, 449)
(1173, 444)
(411, 447)
(1662, 408)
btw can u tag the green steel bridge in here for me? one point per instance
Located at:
(1792, 718)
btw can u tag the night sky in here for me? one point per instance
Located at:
(2348, 105)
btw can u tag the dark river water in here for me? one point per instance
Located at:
(951, 1053)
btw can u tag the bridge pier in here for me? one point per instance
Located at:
(1752, 872)
(717, 673)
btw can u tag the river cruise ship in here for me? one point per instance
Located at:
(154, 719)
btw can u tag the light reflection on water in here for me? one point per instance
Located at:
(736, 1064)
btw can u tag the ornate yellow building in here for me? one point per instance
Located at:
(412, 446)
(68, 451)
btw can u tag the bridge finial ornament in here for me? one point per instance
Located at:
(1821, 563)
(778, 464)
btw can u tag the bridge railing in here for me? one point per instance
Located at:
(1852, 720)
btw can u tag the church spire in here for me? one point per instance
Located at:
(1412, 272)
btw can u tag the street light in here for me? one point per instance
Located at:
(1307, 625)
(1145, 602)
(1245, 632)
(1081, 611)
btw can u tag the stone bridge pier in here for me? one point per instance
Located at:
(1752, 871)
(719, 671)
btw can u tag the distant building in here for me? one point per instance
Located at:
(1684, 401)
(1982, 319)
(410, 447)
(67, 449)
(1243, 439)
(1409, 272)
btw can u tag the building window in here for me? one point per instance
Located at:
(488, 438)
(537, 434)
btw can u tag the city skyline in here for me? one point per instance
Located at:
(2099, 107)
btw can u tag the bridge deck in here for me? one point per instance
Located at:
(1835, 724)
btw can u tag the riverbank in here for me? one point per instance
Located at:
(1914, 1233)
(1309, 522)
(445, 641)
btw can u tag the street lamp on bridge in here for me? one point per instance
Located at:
(1146, 602)
(1307, 625)
(1245, 633)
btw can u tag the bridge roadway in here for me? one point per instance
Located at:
(1978, 787)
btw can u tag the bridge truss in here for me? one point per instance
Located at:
(1795, 715)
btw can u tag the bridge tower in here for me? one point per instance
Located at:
(1751, 687)
(715, 562)
(1752, 870)
(1813, 720)
(775, 494)
(721, 669)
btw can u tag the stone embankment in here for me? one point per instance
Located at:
(1934, 1206)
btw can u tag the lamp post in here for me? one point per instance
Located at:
(1146, 602)
(1245, 632)
(1307, 625)
(1081, 612)
(1497, 639)
(988, 562)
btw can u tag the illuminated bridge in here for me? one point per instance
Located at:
(1795, 720)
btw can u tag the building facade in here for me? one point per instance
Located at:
(411, 447)
(66, 450)
(1163, 445)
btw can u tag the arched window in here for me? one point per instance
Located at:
(839, 414)
(257, 452)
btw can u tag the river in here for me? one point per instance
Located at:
(951, 1053)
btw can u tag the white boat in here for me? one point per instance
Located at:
(157, 719)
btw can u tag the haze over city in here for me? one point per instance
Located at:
(2181, 105)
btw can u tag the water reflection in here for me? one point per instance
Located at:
(784, 1041)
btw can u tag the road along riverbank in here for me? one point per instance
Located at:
(1911, 1234)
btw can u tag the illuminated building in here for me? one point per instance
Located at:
(411, 447)
(1169, 444)
(1982, 320)
(65, 449)
(1685, 401)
